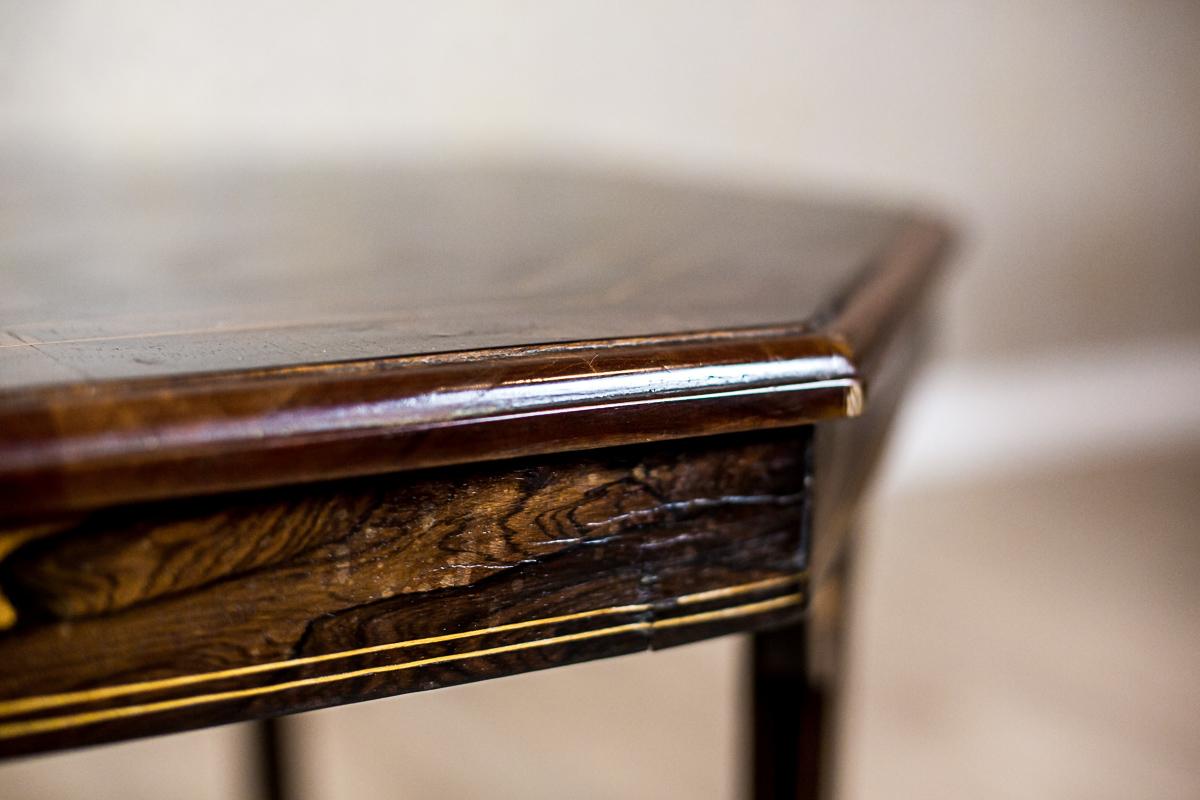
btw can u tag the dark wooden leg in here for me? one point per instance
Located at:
(788, 712)
(795, 673)
(272, 759)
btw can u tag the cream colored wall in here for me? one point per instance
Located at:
(1065, 136)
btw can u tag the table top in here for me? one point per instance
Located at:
(187, 332)
(272, 442)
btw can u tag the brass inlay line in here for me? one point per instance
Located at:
(47, 724)
(27, 705)
(738, 589)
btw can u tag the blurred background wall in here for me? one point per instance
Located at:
(1028, 598)
(1063, 134)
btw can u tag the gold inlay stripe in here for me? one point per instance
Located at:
(738, 589)
(27, 705)
(13, 730)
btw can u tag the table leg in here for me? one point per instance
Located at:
(272, 759)
(788, 716)
(795, 672)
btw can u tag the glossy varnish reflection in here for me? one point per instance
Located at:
(70, 449)
(272, 442)
(610, 324)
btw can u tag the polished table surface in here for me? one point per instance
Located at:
(276, 440)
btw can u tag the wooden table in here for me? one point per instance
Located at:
(276, 441)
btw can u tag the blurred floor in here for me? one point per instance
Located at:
(1032, 637)
(1026, 637)
(203, 765)
(663, 725)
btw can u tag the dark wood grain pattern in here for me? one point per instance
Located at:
(80, 447)
(278, 441)
(155, 618)
(353, 325)
(120, 274)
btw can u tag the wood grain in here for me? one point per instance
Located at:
(367, 324)
(115, 274)
(81, 447)
(167, 616)
(277, 441)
